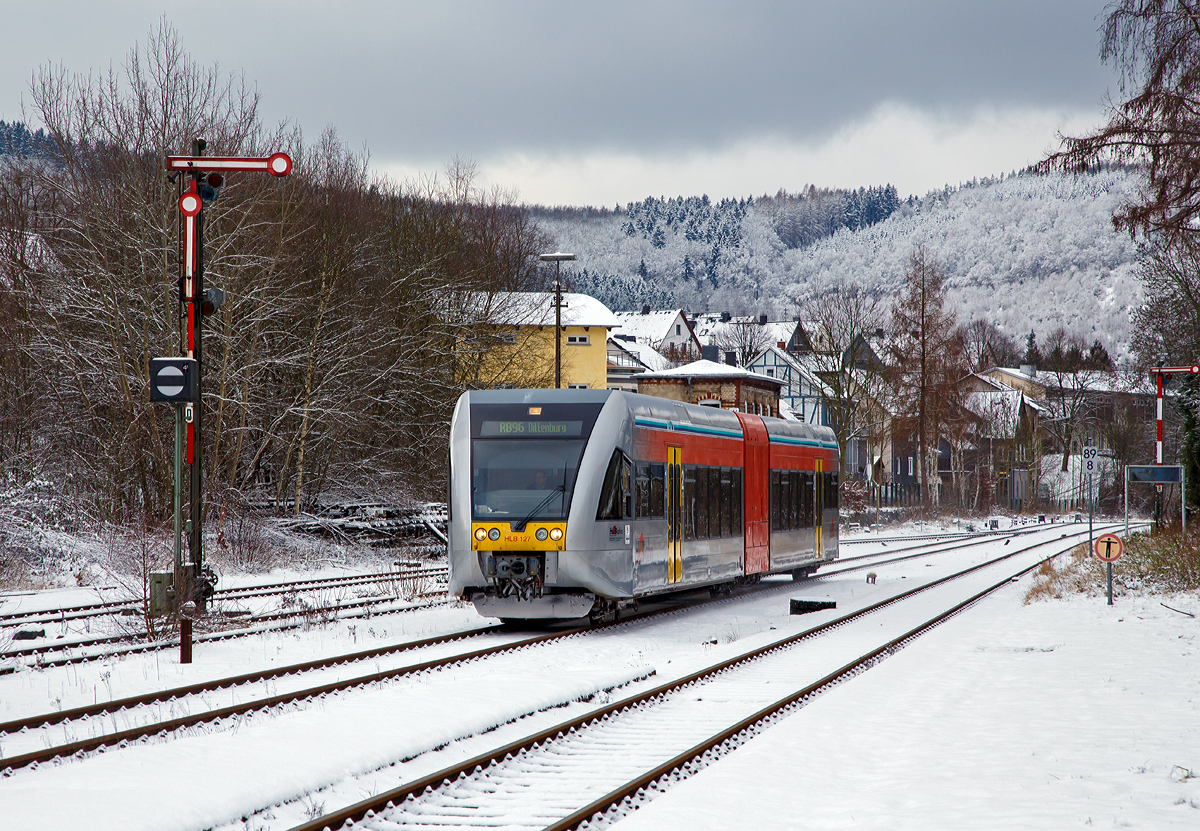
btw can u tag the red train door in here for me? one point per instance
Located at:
(756, 475)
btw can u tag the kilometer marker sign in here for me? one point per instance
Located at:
(1109, 547)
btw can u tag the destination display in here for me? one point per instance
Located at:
(526, 429)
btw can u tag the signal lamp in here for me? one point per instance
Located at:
(480, 534)
(211, 188)
(494, 534)
(213, 298)
(556, 534)
(541, 534)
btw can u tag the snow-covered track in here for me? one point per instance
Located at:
(152, 727)
(612, 756)
(1029, 528)
(91, 610)
(277, 621)
(921, 549)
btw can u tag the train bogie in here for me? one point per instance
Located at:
(566, 503)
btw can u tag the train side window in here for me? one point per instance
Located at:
(702, 503)
(610, 493)
(736, 503)
(806, 499)
(831, 490)
(714, 502)
(794, 499)
(641, 482)
(689, 502)
(627, 487)
(657, 489)
(785, 482)
(726, 502)
(774, 500)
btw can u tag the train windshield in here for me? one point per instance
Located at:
(524, 459)
(519, 479)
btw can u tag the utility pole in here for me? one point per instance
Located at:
(557, 258)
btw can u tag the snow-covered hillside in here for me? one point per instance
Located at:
(1025, 252)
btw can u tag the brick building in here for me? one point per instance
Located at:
(714, 385)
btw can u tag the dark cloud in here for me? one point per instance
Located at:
(431, 80)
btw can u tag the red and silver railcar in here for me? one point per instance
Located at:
(569, 503)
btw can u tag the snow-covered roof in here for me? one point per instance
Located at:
(643, 352)
(654, 327)
(999, 412)
(992, 383)
(786, 412)
(709, 369)
(782, 356)
(536, 308)
(1121, 380)
(709, 326)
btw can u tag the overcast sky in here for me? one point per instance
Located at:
(607, 102)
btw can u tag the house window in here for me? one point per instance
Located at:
(579, 339)
(677, 328)
(506, 337)
(770, 372)
(578, 387)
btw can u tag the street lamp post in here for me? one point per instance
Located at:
(557, 258)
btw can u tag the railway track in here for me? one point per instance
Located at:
(36, 731)
(871, 560)
(603, 764)
(42, 650)
(276, 621)
(92, 610)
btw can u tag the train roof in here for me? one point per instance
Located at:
(665, 410)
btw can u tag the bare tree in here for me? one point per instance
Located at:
(744, 338)
(1071, 391)
(336, 358)
(929, 361)
(846, 319)
(987, 346)
(1155, 46)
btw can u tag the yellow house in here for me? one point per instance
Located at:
(519, 349)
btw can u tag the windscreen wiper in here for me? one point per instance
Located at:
(520, 526)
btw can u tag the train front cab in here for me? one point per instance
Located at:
(523, 465)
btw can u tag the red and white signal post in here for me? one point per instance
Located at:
(201, 180)
(1161, 374)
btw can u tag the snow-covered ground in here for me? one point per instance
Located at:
(967, 727)
(1059, 714)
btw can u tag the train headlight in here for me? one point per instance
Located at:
(480, 534)
(494, 534)
(556, 534)
(542, 534)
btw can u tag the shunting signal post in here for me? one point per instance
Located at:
(178, 380)
(1161, 375)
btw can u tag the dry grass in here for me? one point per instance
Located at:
(1063, 575)
(1158, 564)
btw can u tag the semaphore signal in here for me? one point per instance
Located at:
(177, 380)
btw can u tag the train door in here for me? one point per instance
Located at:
(674, 510)
(818, 511)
